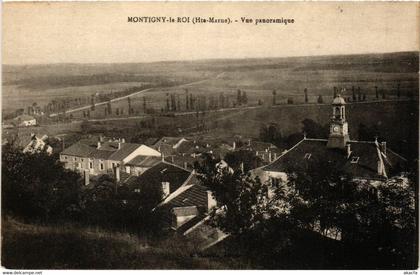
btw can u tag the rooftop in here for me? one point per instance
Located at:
(362, 161)
(162, 172)
(107, 150)
(144, 161)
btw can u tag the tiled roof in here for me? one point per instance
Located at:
(144, 161)
(79, 150)
(126, 149)
(168, 140)
(165, 149)
(101, 154)
(196, 195)
(317, 150)
(108, 150)
(163, 172)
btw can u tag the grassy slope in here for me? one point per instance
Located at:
(68, 246)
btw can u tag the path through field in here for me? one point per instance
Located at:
(87, 107)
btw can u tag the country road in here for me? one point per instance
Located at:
(87, 107)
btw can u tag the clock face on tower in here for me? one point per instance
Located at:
(335, 129)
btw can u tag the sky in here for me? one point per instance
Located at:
(98, 32)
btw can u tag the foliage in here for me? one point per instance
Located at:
(270, 133)
(314, 130)
(243, 157)
(37, 185)
(269, 220)
(243, 199)
(380, 218)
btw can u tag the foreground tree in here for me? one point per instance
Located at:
(36, 186)
(379, 219)
(245, 201)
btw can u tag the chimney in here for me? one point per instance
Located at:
(99, 145)
(119, 145)
(165, 189)
(117, 173)
(383, 147)
(348, 150)
(185, 165)
(269, 156)
(123, 140)
(86, 174)
(242, 167)
(163, 157)
(211, 201)
(380, 168)
(63, 145)
(275, 155)
(249, 142)
(101, 138)
(234, 145)
(172, 158)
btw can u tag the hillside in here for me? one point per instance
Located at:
(23, 85)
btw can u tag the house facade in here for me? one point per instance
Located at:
(37, 145)
(104, 157)
(24, 121)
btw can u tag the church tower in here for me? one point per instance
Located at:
(339, 129)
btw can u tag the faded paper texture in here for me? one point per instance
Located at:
(210, 135)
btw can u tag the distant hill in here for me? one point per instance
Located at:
(24, 85)
(93, 74)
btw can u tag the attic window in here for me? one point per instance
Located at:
(307, 156)
(163, 171)
(354, 160)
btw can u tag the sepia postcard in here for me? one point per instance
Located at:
(209, 136)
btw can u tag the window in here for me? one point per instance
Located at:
(90, 165)
(102, 166)
(75, 159)
(137, 190)
(307, 156)
(65, 157)
(275, 182)
(337, 113)
(354, 160)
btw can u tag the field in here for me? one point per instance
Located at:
(24, 85)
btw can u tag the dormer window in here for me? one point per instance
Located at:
(275, 182)
(354, 160)
(307, 156)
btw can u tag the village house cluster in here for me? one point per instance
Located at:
(169, 162)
